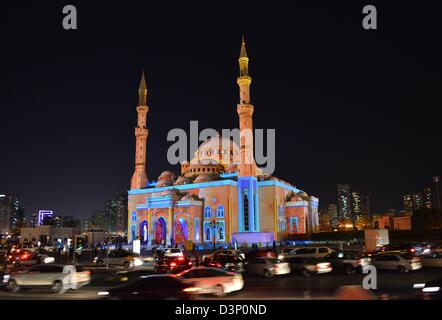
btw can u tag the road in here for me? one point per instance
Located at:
(391, 285)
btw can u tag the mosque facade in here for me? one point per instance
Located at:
(218, 197)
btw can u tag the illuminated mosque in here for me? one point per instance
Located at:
(214, 199)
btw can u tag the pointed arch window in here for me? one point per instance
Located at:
(207, 212)
(220, 212)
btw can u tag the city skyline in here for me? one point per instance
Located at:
(80, 105)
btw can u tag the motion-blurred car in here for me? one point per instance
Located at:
(433, 260)
(348, 261)
(310, 252)
(213, 280)
(267, 267)
(401, 262)
(308, 266)
(432, 290)
(31, 259)
(57, 278)
(230, 263)
(120, 257)
(228, 252)
(29, 247)
(261, 253)
(285, 251)
(153, 287)
(414, 248)
(172, 264)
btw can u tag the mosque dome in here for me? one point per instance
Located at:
(164, 183)
(295, 198)
(217, 150)
(203, 178)
(167, 175)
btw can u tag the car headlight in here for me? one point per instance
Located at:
(138, 262)
(103, 293)
(431, 289)
(6, 278)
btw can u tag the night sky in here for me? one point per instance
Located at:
(348, 105)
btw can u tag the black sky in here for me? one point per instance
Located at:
(348, 105)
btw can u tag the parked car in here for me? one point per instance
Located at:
(266, 253)
(267, 267)
(228, 252)
(434, 259)
(308, 266)
(230, 263)
(310, 252)
(29, 247)
(172, 264)
(120, 257)
(401, 262)
(213, 280)
(348, 261)
(31, 259)
(153, 287)
(58, 278)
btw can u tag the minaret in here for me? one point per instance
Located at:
(139, 178)
(245, 111)
(247, 181)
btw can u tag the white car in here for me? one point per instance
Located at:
(268, 267)
(399, 262)
(213, 280)
(173, 252)
(120, 257)
(434, 259)
(310, 252)
(228, 252)
(58, 278)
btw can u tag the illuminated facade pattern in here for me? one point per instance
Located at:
(216, 199)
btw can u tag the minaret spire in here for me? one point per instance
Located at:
(142, 91)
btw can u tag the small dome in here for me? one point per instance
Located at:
(295, 198)
(181, 180)
(164, 183)
(167, 174)
(203, 178)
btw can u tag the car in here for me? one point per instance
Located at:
(120, 257)
(267, 253)
(285, 251)
(213, 280)
(348, 261)
(310, 252)
(434, 259)
(11, 257)
(227, 252)
(172, 264)
(268, 267)
(231, 263)
(430, 290)
(153, 287)
(308, 266)
(31, 259)
(58, 278)
(173, 252)
(29, 247)
(413, 248)
(401, 262)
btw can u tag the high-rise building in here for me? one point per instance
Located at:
(417, 201)
(344, 204)
(365, 205)
(408, 203)
(325, 223)
(11, 212)
(116, 213)
(333, 212)
(356, 206)
(427, 198)
(436, 193)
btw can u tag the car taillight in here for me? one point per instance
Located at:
(191, 289)
(412, 249)
(190, 263)
(173, 264)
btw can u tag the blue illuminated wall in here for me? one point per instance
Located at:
(248, 186)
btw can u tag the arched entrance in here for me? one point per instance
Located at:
(144, 232)
(181, 231)
(133, 232)
(160, 231)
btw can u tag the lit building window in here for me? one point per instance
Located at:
(220, 212)
(207, 212)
